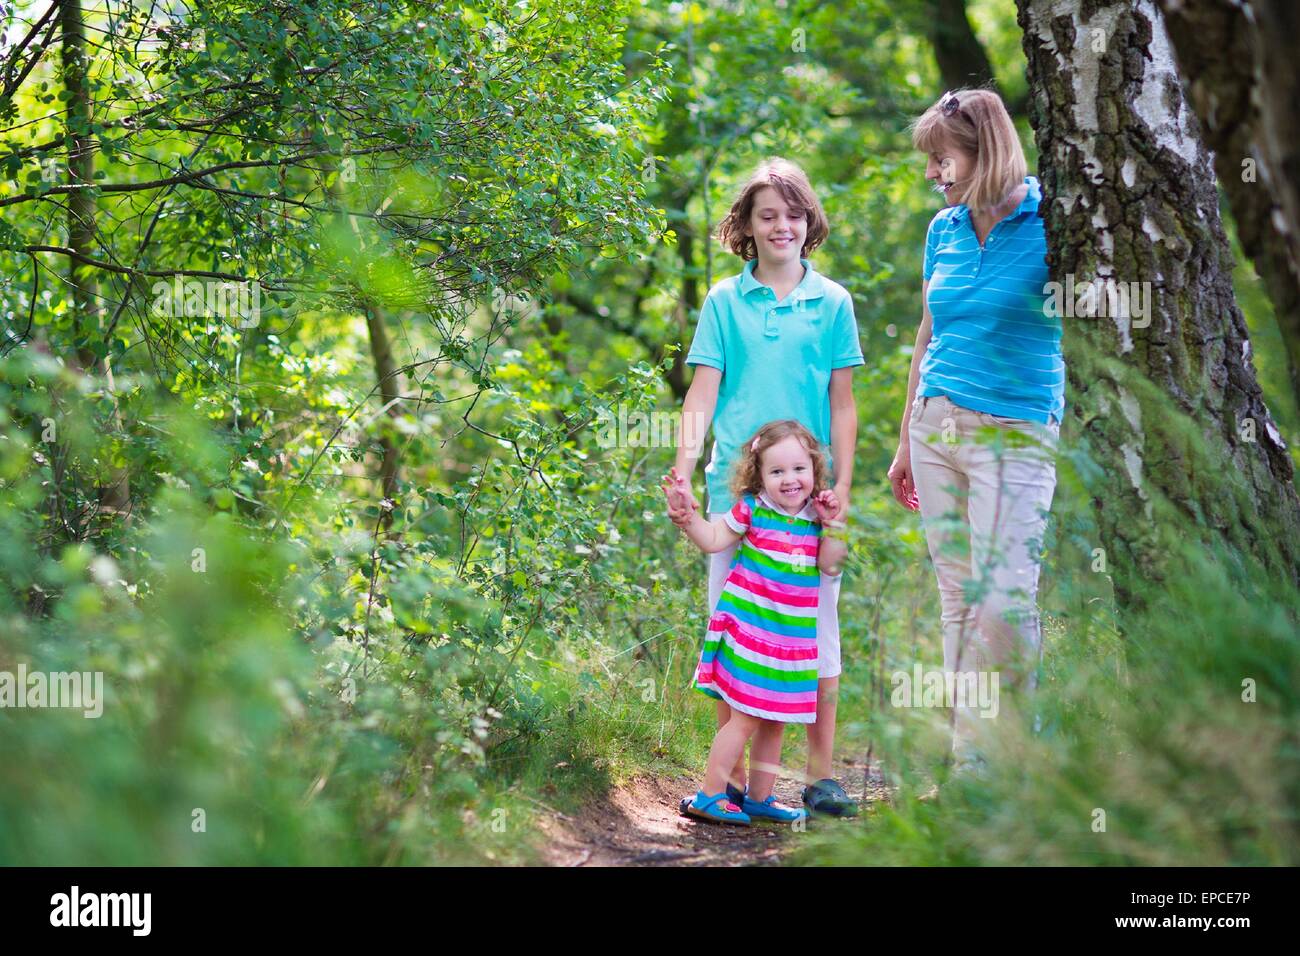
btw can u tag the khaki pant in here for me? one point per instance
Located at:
(985, 485)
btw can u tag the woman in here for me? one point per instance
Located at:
(987, 363)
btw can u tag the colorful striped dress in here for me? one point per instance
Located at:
(760, 654)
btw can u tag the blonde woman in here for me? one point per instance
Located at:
(987, 362)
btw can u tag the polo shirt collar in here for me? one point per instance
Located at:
(808, 512)
(811, 286)
(1033, 197)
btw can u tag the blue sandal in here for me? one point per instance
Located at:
(769, 809)
(717, 809)
(734, 794)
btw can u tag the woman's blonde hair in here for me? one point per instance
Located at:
(793, 185)
(747, 478)
(981, 127)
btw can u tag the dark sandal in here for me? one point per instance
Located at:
(828, 797)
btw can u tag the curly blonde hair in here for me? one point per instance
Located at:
(747, 478)
(793, 185)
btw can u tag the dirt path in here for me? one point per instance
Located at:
(638, 825)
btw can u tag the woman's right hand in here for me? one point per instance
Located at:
(900, 479)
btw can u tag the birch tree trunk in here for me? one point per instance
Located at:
(1238, 61)
(1166, 403)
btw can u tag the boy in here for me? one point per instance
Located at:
(777, 341)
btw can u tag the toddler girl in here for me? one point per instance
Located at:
(760, 655)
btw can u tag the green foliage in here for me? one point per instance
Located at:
(1176, 746)
(513, 203)
(321, 672)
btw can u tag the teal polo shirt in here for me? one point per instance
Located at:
(994, 348)
(776, 360)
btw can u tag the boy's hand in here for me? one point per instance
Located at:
(681, 502)
(828, 506)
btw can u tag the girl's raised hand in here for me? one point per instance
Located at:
(827, 505)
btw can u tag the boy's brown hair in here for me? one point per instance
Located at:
(747, 477)
(793, 185)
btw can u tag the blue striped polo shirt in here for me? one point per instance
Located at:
(994, 348)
